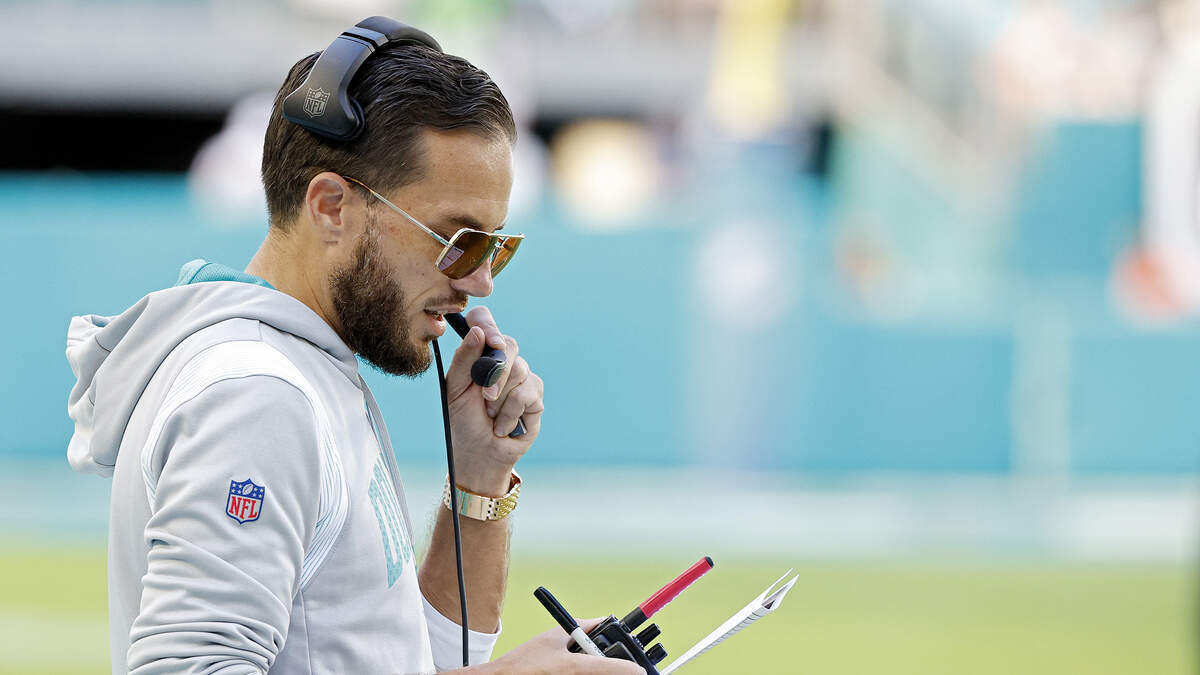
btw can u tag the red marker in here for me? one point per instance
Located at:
(666, 594)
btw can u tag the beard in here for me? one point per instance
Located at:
(370, 307)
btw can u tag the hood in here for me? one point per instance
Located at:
(113, 358)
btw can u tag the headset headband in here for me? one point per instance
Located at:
(322, 103)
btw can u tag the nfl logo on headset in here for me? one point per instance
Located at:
(245, 500)
(314, 102)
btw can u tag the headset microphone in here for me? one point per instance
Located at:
(490, 365)
(487, 368)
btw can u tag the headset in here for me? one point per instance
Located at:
(322, 104)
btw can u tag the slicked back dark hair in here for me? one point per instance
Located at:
(403, 89)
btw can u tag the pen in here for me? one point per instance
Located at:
(667, 593)
(565, 620)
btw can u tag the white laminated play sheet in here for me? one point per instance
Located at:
(766, 602)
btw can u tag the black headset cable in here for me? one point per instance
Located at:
(462, 588)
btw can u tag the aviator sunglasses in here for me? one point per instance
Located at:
(467, 249)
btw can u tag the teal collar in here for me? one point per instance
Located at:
(199, 270)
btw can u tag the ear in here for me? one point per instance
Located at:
(327, 203)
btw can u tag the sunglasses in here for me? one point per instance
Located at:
(467, 249)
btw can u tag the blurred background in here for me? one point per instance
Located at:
(902, 294)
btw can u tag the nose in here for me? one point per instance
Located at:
(477, 284)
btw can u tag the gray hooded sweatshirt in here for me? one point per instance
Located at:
(257, 521)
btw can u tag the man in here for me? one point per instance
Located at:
(258, 521)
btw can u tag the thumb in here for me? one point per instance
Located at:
(458, 375)
(588, 624)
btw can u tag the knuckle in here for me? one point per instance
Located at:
(515, 405)
(521, 369)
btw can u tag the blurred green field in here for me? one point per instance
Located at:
(852, 617)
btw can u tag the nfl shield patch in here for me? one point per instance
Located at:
(314, 102)
(245, 500)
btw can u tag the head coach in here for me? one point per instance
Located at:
(258, 521)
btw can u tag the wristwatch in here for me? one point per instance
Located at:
(480, 507)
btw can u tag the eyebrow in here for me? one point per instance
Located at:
(460, 220)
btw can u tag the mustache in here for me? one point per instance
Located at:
(458, 299)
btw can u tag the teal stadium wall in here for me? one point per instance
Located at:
(610, 320)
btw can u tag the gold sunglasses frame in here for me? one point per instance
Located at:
(495, 241)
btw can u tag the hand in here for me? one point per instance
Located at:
(481, 419)
(547, 654)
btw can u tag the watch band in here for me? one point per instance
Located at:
(480, 507)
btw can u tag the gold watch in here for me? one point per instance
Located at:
(480, 507)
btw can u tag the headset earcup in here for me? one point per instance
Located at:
(343, 119)
(360, 120)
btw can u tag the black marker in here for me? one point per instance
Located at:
(565, 620)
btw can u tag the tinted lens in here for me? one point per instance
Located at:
(504, 254)
(468, 249)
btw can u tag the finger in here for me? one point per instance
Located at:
(482, 316)
(598, 665)
(511, 350)
(518, 373)
(524, 398)
(533, 416)
(458, 375)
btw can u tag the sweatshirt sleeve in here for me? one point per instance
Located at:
(233, 482)
(445, 637)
